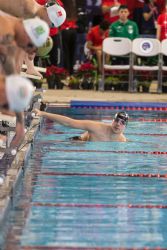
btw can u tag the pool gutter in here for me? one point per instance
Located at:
(15, 172)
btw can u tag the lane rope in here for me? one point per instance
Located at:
(142, 175)
(124, 108)
(43, 204)
(87, 248)
(111, 151)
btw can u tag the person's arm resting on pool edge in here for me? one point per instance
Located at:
(66, 121)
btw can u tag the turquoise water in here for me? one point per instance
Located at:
(78, 195)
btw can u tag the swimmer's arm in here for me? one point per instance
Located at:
(66, 121)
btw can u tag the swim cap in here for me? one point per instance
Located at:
(46, 48)
(122, 115)
(56, 14)
(19, 91)
(37, 30)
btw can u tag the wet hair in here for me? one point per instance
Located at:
(104, 25)
(122, 115)
(122, 7)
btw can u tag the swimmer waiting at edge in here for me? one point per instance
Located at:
(95, 131)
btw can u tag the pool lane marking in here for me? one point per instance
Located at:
(51, 132)
(122, 108)
(112, 151)
(49, 204)
(87, 248)
(142, 175)
(151, 120)
(146, 134)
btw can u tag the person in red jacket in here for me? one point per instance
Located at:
(162, 25)
(95, 37)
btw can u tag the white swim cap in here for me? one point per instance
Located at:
(19, 91)
(37, 30)
(45, 48)
(56, 14)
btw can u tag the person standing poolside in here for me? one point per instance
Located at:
(95, 131)
(69, 35)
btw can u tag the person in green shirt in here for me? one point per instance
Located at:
(124, 27)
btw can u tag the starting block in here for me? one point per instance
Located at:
(7, 118)
(30, 76)
(40, 69)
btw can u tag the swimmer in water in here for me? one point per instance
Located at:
(95, 131)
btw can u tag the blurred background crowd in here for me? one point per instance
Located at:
(88, 23)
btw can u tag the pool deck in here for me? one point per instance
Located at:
(63, 97)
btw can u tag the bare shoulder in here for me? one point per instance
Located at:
(123, 138)
(7, 31)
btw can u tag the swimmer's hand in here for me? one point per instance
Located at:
(37, 112)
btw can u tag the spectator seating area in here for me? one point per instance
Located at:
(140, 60)
(118, 47)
(146, 57)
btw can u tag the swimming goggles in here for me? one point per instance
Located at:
(123, 122)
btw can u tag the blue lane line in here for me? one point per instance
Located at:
(75, 103)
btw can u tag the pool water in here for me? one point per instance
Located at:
(93, 195)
